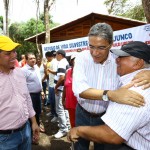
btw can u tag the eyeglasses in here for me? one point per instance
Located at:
(99, 48)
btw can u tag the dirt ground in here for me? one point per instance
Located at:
(47, 141)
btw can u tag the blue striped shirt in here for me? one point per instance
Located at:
(131, 123)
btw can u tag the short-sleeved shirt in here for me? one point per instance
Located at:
(61, 70)
(53, 67)
(131, 123)
(71, 100)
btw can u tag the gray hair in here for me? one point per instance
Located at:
(102, 30)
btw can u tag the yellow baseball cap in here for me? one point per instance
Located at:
(6, 44)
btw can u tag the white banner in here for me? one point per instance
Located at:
(69, 46)
(140, 33)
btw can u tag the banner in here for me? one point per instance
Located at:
(120, 37)
(139, 33)
(70, 46)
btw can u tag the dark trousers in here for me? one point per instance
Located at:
(44, 85)
(85, 118)
(82, 119)
(36, 101)
(51, 97)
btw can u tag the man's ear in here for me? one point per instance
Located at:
(139, 64)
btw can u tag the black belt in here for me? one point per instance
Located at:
(12, 131)
(35, 93)
(94, 115)
(126, 147)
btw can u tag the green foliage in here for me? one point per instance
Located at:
(1, 24)
(136, 12)
(115, 6)
(126, 9)
(20, 31)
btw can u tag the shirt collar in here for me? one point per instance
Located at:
(109, 58)
(29, 67)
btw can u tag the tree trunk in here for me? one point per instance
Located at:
(37, 19)
(47, 6)
(47, 26)
(6, 6)
(146, 7)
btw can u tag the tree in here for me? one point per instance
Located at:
(125, 9)
(136, 12)
(37, 19)
(115, 6)
(47, 5)
(146, 7)
(1, 24)
(5, 27)
(20, 31)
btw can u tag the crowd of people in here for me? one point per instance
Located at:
(99, 95)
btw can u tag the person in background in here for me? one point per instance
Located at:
(123, 123)
(43, 72)
(58, 87)
(34, 84)
(68, 98)
(15, 102)
(23, 61)
(95, 82)
(52, 71)
(17, 63)
(48, 58)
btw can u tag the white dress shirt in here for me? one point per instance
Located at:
(88, 74)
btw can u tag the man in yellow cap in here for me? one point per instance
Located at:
(15, 102)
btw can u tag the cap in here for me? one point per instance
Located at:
(136, 48)
(6, 44)
(53, 52)
(62, 52)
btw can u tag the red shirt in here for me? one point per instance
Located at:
(71, 100)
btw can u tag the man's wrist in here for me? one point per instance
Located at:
(109, 94)
(42, 92)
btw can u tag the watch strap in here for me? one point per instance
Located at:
(105, 92)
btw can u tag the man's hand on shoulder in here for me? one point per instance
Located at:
(125, 96)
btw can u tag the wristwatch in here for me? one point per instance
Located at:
(105, 96)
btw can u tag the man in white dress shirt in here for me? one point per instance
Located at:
(124, 123)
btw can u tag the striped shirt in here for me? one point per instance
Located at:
(131, 123)
(15, 102)
(61, 70)
(88, 74)
(33, 78)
